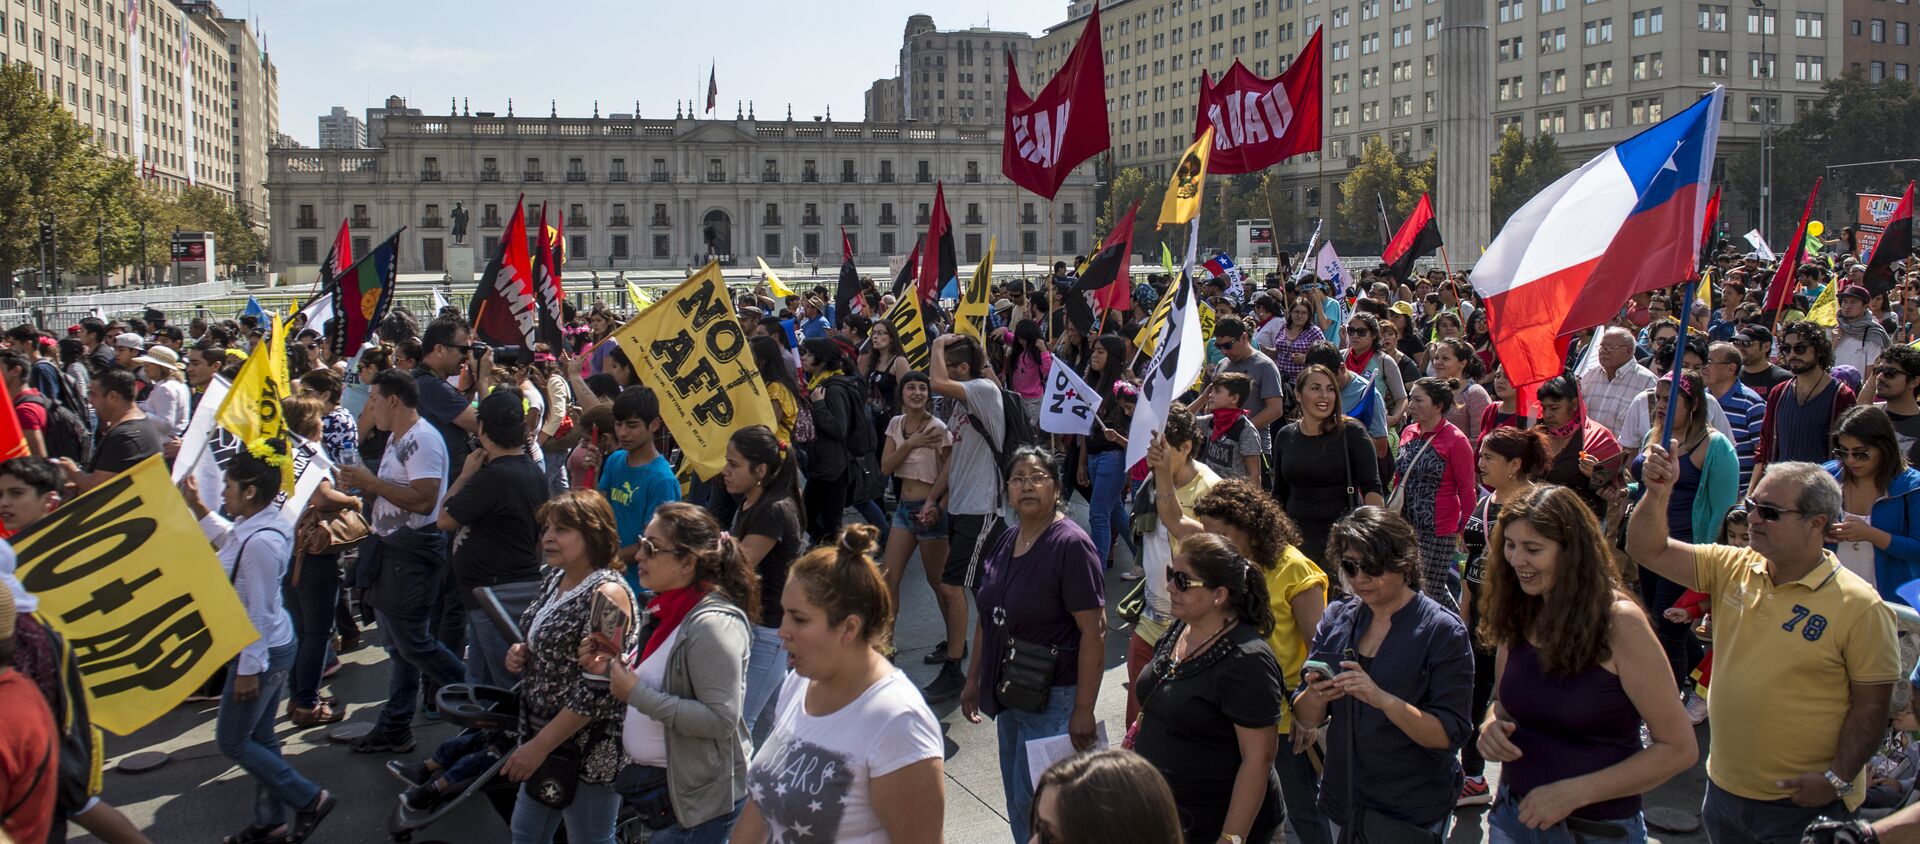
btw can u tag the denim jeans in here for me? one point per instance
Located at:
(412, 651)
(487, 653)
(311, 603)
(590, 817)
(1300, 790)
(244, 733)
(1504, 827)
(1731, 819)
(1016, 727)
(715, 831)
(1107, 509)
(766, 670)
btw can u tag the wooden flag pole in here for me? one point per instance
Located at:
(1448, 264)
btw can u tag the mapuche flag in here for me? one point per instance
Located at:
(1418, 236)
(1258, 123)
(1895, 244)
(1047, 135)
(361, 295)
(938, 264)
(503, 311)
(546, 283)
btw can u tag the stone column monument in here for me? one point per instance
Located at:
(1462, 195)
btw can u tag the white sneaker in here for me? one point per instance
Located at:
(1696, 707)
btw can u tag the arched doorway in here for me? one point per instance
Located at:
(716, 237)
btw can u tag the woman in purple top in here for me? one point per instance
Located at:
(1576, 671)
(1042, 587)
(1291, 344)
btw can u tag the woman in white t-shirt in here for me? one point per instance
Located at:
(855, 754)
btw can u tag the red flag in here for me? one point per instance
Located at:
(1780, 292)
(938, 263)
(340, 257)
(1418, 235)
(13, 443)
(1895, 244)
(1047, 135)
(546, 281)
(502, 310)
(1256, 122)
(1706, 226)
(1105, 274)
(908, 269)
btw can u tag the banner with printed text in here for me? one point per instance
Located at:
(910, 329)
(1069, 404)
(125, 574)
(688, 346)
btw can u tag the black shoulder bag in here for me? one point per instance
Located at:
(1366, 826)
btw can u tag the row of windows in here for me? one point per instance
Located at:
(617, 217)
(717, 170)
(619, 247)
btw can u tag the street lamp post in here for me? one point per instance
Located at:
(143, 253)
(1766, 125)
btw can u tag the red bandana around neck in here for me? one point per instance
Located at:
(1357, 361)
(669, 608)
(1223, 420)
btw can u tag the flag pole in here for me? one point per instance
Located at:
(1673, 369)
(1447, 262)
(1052, 298)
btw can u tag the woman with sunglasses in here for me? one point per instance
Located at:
(1403, 668)
(1433, 481)
(1578, 670)
(1210, 698)
(1298, 335)
(1709, 485)
(1883, 545)
(1364, 357)
(1040, 587)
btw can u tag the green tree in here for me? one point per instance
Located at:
(48, 166)
(1520, 170)
(1129, 185)
(1382, 176)
(235, 242)
(1854, 121)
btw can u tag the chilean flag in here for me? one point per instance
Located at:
(1625, 223)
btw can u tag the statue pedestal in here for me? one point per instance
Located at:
(460, 264)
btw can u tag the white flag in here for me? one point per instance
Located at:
(1304, 266)
(193, 443)
(1177, 359)
(318, 312)
(1069, 404)
(1328, 267)
(439, 301)
(1760, 245)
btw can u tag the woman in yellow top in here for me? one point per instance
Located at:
(1297, 591)
(783, 388)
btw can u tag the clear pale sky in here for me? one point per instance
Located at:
(812, 53)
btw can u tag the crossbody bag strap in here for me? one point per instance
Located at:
(1353, 715)
(1424, 444)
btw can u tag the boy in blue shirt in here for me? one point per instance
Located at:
(637, 478)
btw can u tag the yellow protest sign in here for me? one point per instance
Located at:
(689, 347)
(910, 329)
(125, 574)
(251, 409)
(1189, 182)
(1826, 309)
(970, 316)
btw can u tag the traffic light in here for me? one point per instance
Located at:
(46, 232)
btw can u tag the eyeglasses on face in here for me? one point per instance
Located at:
(1857, 455)
(1031, 480)
(1181, 581)
(1352, 567)
(1890, 372)
(1767, 512)
(650, 548)
(1359, 330)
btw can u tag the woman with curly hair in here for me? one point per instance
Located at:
(1577, 670)
(1296, 593)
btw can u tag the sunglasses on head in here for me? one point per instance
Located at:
(1353, 568)
(1767, 512)
(1181, 581)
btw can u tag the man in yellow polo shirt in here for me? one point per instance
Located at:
(1804, 655)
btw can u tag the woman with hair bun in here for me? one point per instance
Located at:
(684, 686)
(762, 471)
(1041, 590)
(1104, 797)
(1210, 698)
(1433, 481)
(855, 754)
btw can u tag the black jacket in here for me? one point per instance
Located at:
(841, 428)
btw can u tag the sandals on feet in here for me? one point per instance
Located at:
(258, 834)
(305, 820)
(322, 714)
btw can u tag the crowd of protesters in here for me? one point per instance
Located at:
(1358, 566)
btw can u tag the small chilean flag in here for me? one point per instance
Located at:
(713, 88)
(1624, 223)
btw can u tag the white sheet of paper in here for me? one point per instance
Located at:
(1043, 752)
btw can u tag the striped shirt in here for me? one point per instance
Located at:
(1747, 412)
(1608, 398)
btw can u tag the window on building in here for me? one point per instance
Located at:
(1713, 62)
(1645, 110)
(1597, 116)
(1552, 122)
(1713, 18)
(1809, 24)
(619, 249)
(1877, 31)
(1760, 22)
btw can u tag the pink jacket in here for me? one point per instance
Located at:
(1457, 487)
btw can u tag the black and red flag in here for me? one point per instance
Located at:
(1418, 236)
(339, 258)
(546, 281)
(1048, 135)
(909, 269)
(938, 264)
(503, 310)
(1707, 225)
(848, 289)
(1895, 244)
(1256, 122)
(1104, 276)
(1780, 292)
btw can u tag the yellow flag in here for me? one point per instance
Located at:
(970, 316)
(1705, 293)
(1182, 202)
(773, 281)
(639, 297)
(125, 574)
(1149, 337)
(1826, 308)
(910, 329)
(690, 349)
(251, 410)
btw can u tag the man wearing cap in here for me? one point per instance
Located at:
(1757, 370)
(1858, 339)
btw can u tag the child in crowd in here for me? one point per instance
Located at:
(1694, 605)
(637, 478)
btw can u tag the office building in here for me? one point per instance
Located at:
(956, 76)
(339, 129)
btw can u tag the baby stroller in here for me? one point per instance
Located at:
(489, 722)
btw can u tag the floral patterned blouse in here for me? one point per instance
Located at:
(555, 625)
(339, 435)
